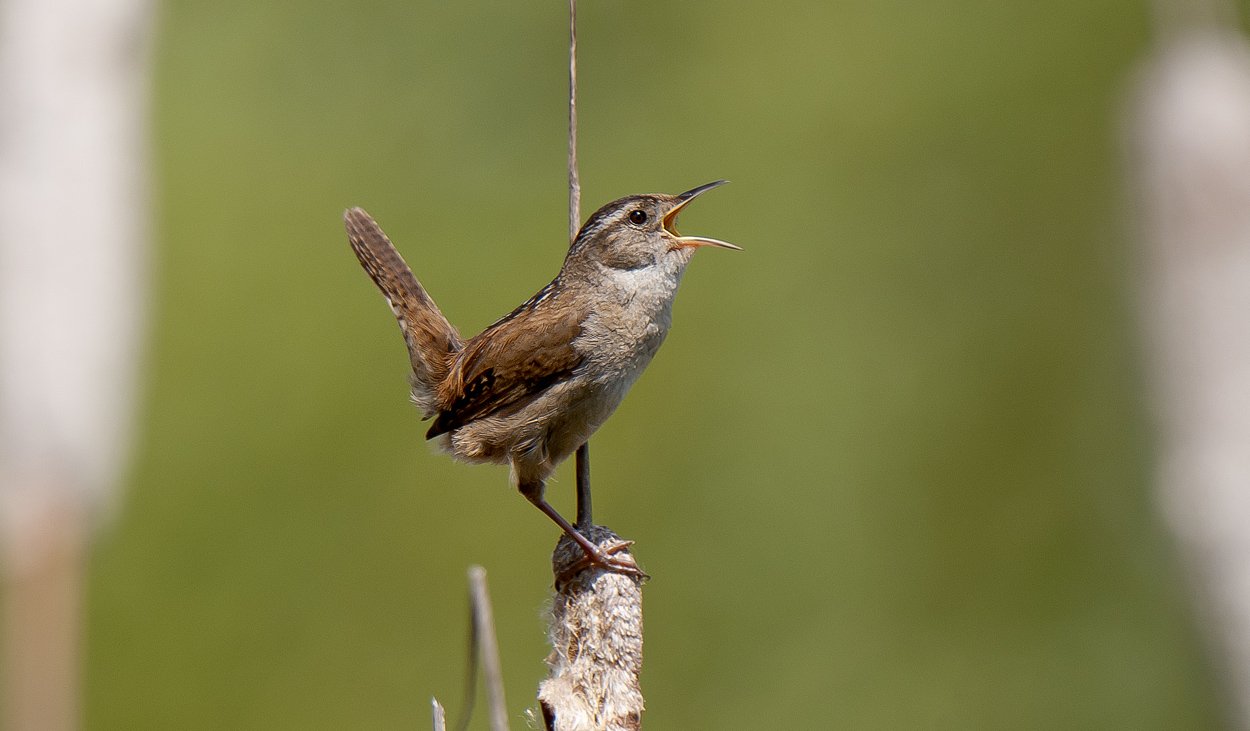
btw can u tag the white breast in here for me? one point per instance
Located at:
(621, 337)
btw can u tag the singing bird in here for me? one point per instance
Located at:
(535, 385)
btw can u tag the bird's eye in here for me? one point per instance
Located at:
(637, 217)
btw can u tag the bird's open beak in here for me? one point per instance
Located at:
(670, 220)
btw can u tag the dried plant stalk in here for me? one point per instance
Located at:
(1191, 164)
(439, 715)
(596, 636)
(575, 185)
(484, 631)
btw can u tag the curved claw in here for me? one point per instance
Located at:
(604, 558)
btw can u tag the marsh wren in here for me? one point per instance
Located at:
(535, 385)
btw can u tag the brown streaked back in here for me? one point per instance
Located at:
(511, 362)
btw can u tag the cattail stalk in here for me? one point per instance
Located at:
(596, 639)
(596, 616)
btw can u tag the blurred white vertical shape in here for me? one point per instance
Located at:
(73, 141)
(1191, 155)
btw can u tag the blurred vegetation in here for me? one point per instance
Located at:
(890, 471)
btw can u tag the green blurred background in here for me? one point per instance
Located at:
(890, 471)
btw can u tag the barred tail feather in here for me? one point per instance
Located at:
(431, 340)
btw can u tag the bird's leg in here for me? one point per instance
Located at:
(585, 517)
(533, 491)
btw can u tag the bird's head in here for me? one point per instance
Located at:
(640, 231)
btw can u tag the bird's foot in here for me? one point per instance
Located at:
(604, 557)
